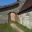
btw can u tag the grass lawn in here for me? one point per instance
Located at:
(24, 28)
(6, 28)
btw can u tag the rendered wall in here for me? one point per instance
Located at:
(26, 18)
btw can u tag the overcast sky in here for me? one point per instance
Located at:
(5, 2)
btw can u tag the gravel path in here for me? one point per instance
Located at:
(15, 27)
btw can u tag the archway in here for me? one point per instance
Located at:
(12, 16)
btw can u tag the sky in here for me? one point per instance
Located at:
(5, 2)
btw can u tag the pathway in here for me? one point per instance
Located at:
(15, 27)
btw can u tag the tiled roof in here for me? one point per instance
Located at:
(27, 4)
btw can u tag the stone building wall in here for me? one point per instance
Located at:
(26, 18)
(3, 18)
(4, 14)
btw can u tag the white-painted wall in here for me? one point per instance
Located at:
(26, 20)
